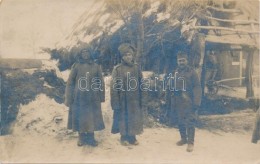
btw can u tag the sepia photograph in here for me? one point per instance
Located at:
(130, 81)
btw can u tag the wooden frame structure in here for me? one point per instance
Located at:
(239, 34)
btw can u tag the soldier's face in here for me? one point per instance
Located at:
(85, 55)
(128, 57)
(182, 62)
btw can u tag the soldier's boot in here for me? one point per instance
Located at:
(90, 140)
(190, 147)
(124, 140)
(183, 134)
(191, 135)
(81, 141)
(181, 142)
(132, 140)
(254, 138)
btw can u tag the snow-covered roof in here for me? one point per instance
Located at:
(93, 23)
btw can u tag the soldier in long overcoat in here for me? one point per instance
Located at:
(84, 94)
(126, 97)
(185, 97)
(256, 132)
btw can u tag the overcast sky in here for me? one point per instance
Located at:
(26, 25)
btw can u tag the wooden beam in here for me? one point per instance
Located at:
(253, 29)
(236, 78)
(249, 73)
(1, 113)
(224, 10)
(240, 67)
(224, 28)
(233, 21)
(230, 40)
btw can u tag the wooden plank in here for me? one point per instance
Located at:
(224, 28)
(230, 40)
(253, 28)
(237, 78)
(240, 67)
(249, 73)
(1, 114)
(233, 21)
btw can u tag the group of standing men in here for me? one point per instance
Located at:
(85, 114)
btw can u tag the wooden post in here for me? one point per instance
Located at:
(140, 40)
(240, 67)
(1, 124)
(197, 53)
(249, 73)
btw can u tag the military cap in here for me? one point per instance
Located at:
(87, 48)
(182, 55)
(125, 48)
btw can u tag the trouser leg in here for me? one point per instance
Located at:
(182, 130)
(191, 127)
(191, 135)
(190, 131)
(183, 133)
(256, 132)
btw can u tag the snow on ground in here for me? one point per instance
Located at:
(40, 136)
(43, 116)
(237, 121)
(156, 146)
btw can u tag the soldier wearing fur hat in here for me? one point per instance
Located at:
(256, 132)
(85, 114)
(185, 97)
(126, 97)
